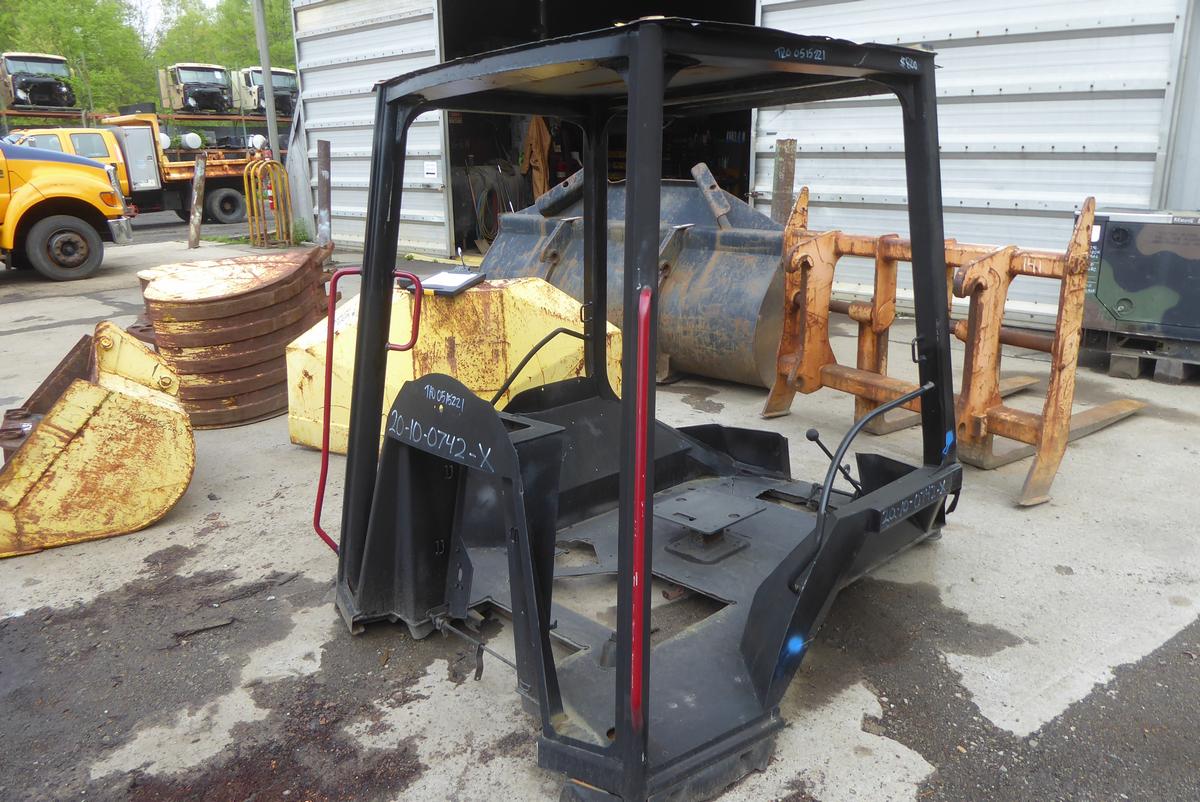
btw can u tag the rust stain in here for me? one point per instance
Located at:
(225, 325)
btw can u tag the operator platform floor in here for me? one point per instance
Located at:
(1030, 654)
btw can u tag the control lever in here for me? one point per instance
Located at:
(814, 436)
(442, 624)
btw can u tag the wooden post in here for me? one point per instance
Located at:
(785, 177)
(324, 194)
(197, 202)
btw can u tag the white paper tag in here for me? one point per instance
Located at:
(431, 170)
(447, 280)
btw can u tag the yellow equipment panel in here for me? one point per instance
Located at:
(478, 337)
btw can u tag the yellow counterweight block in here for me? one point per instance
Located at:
(478, 336)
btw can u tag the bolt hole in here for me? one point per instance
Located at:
(612, 733)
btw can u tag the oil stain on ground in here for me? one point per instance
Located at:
(78, 683)
(698, 398)
(1128, 737)
(75, 682)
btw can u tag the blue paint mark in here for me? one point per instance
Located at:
(19, 153)
(795, 645)
(949, 443)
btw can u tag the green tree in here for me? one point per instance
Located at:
(223, 34)
(97, 37)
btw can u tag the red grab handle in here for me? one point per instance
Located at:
(416, 327)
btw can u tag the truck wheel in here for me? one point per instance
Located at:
(225, 205)
(184, 214)
(64, 248)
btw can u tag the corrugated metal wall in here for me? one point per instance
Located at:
(343, 47)
(1040, 103)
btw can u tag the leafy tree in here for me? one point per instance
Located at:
(106, 44)
(224, 34)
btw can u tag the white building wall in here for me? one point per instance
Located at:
(343, 47)
(1040, 103)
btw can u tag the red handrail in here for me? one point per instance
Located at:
(416, 326)
(637, 638)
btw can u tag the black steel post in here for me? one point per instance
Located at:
(646, 82)
(919, 101)
(374, 320)
(595, 250)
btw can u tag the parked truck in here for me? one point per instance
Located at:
(57, 210)
(35, 80)
(153, 175)
(195, 88)
(248, 91)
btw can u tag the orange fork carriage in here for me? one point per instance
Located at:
(980, 273)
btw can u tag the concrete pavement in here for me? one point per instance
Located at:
(167, 227)
(1044, 653)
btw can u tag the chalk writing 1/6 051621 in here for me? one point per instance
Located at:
(444, 397)
(438, 441)
(801, 53)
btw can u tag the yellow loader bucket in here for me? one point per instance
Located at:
(101, 448)
(479, 337)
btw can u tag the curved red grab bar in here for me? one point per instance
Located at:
(416, 327)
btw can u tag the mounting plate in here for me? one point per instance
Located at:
(707, 513)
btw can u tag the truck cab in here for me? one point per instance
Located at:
(92, 143)
(196, 88)
(57, 210)
(35, 80)
(248, 90)
(153, 175)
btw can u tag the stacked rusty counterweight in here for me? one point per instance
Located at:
(224, 325)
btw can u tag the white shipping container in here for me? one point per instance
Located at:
(343, 48)
(1040, 104)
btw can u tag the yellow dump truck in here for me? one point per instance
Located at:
(154, 176)
(57, 210)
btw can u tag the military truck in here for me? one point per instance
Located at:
(35, 80)
(195, 88)
(248, 91)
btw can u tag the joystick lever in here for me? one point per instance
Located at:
(814, 436)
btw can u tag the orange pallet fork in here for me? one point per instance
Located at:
(982, 273)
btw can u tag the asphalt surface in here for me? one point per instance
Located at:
(1050, 653)
(167, 227)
